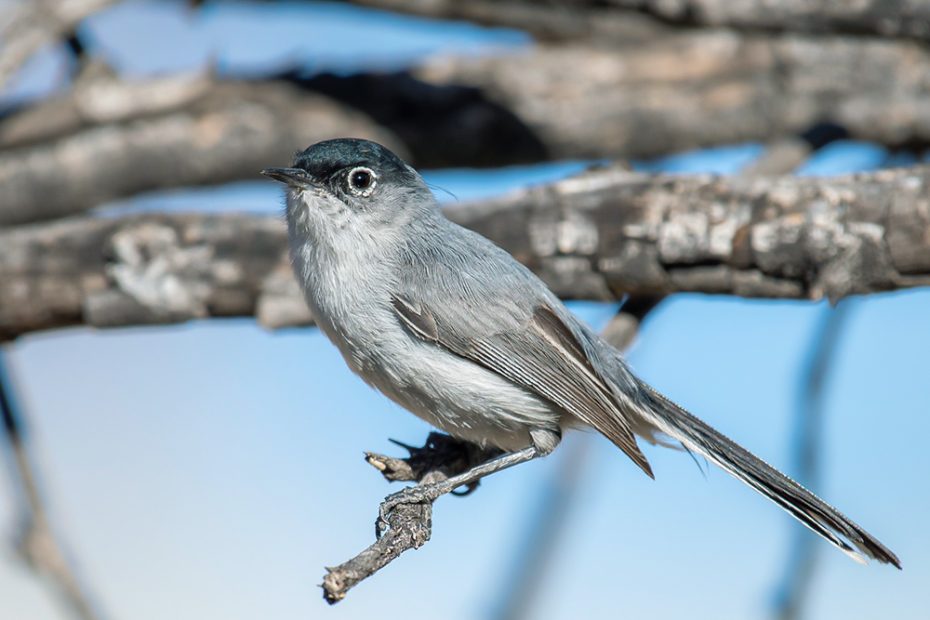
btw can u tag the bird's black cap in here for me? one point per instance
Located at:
(325, 158)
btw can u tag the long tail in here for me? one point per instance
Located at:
(803, 505)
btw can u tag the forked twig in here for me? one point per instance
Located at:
(409, 525)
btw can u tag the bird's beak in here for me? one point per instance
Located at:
(294, 177)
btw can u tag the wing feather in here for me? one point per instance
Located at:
(541, 355)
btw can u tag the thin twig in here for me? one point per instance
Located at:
(409, 525)
(35, 542)
(791, 593)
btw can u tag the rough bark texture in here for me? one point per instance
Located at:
(614, 19)
(109, 140)
(610, 232)
(886, 18)
(552, 20)
(146, 269)
(409, 525)
(583, 101)
(601, 235)
(550, 102)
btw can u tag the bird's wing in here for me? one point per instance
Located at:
(529, 344)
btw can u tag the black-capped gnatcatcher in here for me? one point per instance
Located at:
(451, 327)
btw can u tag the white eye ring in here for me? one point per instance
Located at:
(364, 190)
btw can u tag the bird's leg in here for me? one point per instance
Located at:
(428, 493)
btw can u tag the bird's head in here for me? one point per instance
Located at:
(351, 191)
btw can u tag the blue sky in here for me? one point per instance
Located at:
(211, 470)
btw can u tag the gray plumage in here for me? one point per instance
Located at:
(455, 330)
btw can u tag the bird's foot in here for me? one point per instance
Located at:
(424, 494)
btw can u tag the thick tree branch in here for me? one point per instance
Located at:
(144, 270)
(553, 20)
(614, 20)
(645, 100)
(600, 235)
(610, 232)
(110, 140)
(885, 18)
(114, 140)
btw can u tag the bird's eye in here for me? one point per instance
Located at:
(362, 181)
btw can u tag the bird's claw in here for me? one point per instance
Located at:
(468, 490)
(420, 494)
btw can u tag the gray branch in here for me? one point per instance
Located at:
(38, 546)
(409, 525)
(110, 140)
(885, 18)
(600, 235)
(550, 21)
(613, 19)
(643, 100)
(794, 587)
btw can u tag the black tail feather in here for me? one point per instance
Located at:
(806, 507)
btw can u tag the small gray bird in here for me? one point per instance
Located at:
(451, 327)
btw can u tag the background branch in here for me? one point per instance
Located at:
(807, 445)
(611, 19)
(39, 548)
(108, 140)
(640, 100)
(71, 153)
(600, 235)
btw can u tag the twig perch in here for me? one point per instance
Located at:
(409, 525)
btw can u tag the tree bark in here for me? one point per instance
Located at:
(600, 235)
(884, 18)
(612, 19)
(111, 140)
(588, 102)
(548, 102)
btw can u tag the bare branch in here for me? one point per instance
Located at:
(551, 21)
(622, 328)
(901, 18)
(780, 157)
(795, 583)
(616, 20)
(410, 525)
(644, 100)
(125, 138)
(600, 235)
(146, 269)
(567, 101)
(610, 232)
(31, 25)
(37, 545)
